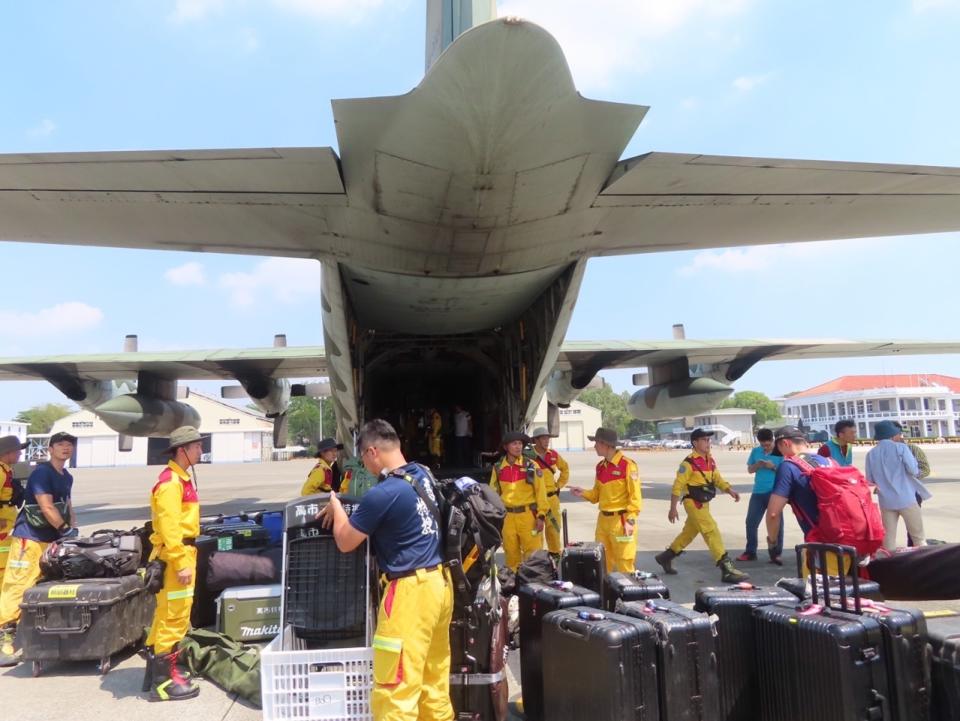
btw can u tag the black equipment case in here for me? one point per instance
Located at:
(943, 637)
(736, 653)
(535, 601)
(636, 586)
(686, 659)
(819, 662)
(599, 666)
(83, 620)
(584, 564)
(478, 662)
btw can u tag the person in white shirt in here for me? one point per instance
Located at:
(462, 435)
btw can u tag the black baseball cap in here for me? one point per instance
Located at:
(789, 433)
(699, 433)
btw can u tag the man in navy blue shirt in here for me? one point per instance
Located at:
(411, 648)
(46, 516)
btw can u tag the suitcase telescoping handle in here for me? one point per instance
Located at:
(816, 554)
(566, 534)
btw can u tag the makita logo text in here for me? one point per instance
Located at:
(268, 629)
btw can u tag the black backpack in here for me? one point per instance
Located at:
(105, 554)
(470, 516)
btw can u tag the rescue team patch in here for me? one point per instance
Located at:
(682, 468)
(63, 591)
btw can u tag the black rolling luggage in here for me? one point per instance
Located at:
(584, 564)
(233, 533)
(816, 662)
(736, 653)
(686, 659)
(599, 666)
(537, 600)
(636, 586)
(943, 637)
(478, 662)
(83, 620)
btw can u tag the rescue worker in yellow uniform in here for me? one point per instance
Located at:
(175, 513)
(697, 482)
(11, 495)
(520, 483)
(320, 479)
(47, 515)
(556, 473)
(616, 489)
(411, 648)
(435, 438)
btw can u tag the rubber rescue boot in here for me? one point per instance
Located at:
(9, 654)
(148, 673)
(169, 683)
(665, 560)
(728, 573)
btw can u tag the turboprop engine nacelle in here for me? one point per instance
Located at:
(134, 414)
(689, 397)
(562, 392)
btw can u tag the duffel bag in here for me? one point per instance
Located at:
(232, 666)
(244, 568)
(925, 573)
(105, 554)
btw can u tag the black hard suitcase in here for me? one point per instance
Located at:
(233, 533)
(478, 663)
(736, 654)
(83, 620)
(599, 666)
(636, 586)
(686, 659)
(820, 663)
(943, 638)
(584, 564)
(535, 601)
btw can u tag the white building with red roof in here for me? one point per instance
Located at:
(927, 405)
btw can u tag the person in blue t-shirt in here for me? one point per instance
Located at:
(763, 464)
(792, 485)
(411, 648)
(47, 515)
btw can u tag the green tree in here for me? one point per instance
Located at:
(612, 406)
(766, 410)
(42, 418)
(303, 420)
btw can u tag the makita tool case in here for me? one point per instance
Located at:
(83, 620)
(249, 613)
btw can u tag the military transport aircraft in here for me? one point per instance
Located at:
(454, 228)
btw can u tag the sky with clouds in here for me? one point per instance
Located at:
(857, 81)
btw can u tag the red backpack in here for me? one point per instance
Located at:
(848, 515)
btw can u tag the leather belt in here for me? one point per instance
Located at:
(411, 572)
(613, 513)
(552, 493)
(189, 541)
(521, 509)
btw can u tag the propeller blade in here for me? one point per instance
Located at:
(124, 443)
(280, 431)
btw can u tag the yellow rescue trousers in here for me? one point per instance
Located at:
(171, 620)
(520, 537)
(620, 548)
(553, 525)
(411, 649)
(699, 521)
(22, 572)
(4, 554)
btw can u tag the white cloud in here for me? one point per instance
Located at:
(764, 257)
(284, 280)
(187, 274)
(189, 10)
(70, 317)
(922, 6)
(42, 129)
(746, 83)
(613, 36)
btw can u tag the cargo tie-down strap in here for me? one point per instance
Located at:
(477, 679)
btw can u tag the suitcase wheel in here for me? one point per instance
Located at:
(36, 668)
(104, 666)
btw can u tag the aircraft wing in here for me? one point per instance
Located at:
(300, 362)
(672, 201)
(259, 201)
(724, 359)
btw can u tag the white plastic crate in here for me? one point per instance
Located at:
(315, 685)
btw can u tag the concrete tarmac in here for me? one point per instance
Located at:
(119, 498)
